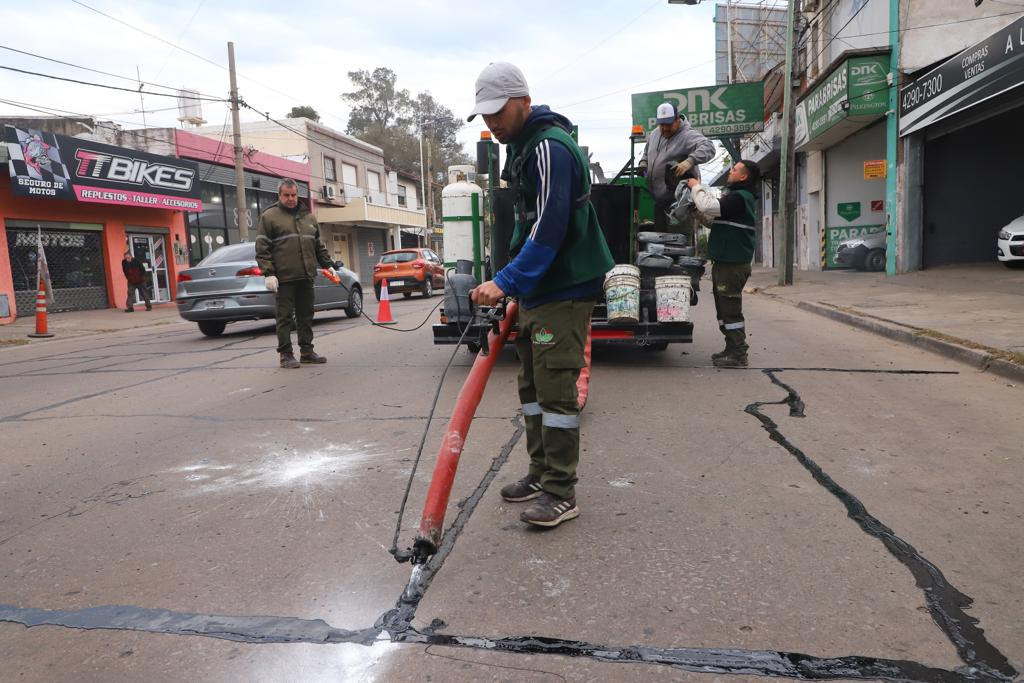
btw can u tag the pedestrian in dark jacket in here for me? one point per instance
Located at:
(559, 261)
(136, 275)
(731, 248)
(289, 251)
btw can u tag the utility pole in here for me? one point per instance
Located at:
(892, 134)
(728, 33)
(430, 188)
(241, 208)
(423, 190)
(787, 229)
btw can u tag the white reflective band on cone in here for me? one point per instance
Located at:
(561, 421)
(532, 408)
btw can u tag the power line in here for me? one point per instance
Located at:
(96, 71)
(102, 85)
(601, 42)
(180, 36)
(637, 85)
(194, 54)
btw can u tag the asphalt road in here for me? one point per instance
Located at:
(175, 507)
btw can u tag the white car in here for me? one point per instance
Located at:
(1010, 245)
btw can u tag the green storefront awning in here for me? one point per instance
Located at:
(854, 94)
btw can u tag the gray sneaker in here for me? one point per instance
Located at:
(550, 510)
(525, 489)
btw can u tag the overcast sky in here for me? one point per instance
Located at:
(582, 58)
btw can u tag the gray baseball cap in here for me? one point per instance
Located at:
(496, 84)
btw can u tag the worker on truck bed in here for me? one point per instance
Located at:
(731, 248)
(677, 145)
(559, 259)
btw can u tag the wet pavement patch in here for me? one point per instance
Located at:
(946, 605)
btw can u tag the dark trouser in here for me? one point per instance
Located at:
(295, 310)
(727, 282)
(143, 291)
(550, 345)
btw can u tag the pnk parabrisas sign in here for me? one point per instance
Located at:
(717, 110)
(857, 87)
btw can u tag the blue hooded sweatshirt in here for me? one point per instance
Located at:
(557, 180)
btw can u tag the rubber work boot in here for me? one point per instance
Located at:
(129, 310)
(288, 361)
(525, 489)
(731, 361)
(312, 357)
(550, 511)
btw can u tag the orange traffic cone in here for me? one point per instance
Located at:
(41, 330)
(384, 310)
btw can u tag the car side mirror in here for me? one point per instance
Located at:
(339, 264)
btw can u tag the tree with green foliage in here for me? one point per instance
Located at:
(304, 111)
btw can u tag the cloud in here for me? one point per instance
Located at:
(573, 53)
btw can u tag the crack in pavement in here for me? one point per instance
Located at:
(946, 604)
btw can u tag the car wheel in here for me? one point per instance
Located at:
(875, 260)
(355, 303)
(212, 328)
(428, 287)
(1014, 264)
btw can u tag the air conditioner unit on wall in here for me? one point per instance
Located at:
(329, 192)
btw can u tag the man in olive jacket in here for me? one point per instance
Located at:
(289, 252)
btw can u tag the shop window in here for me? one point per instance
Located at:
(75, 261)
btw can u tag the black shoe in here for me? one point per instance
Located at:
(525, 489)
(129, 310)
(721, 354)
(550, 510)
(731, 361)
(149, 308)
(312, 357)
(288, 361)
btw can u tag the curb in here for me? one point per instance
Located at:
(976, 358)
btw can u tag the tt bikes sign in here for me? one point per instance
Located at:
(59, 167)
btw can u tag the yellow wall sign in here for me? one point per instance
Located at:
(874, 169)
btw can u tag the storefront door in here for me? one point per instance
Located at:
(151, 250)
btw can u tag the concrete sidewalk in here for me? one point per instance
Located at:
(970, 312)
(84, 323)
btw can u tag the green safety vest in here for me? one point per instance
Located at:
(733, 241)
(584, 254)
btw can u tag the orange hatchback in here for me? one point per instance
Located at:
(408, 271)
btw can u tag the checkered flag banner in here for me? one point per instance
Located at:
(42, 269)
(36, 154)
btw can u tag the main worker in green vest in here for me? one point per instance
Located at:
(559, 260)
(731, 249)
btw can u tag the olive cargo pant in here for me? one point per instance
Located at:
(550, 346)
(295, 311)
(727, 282)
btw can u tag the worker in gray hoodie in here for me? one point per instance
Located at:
(674, 142)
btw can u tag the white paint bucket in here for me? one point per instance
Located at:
(672, 294)
(622, 297)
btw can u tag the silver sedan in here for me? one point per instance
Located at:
(227, 286)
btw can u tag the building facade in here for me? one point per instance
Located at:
(87, 202)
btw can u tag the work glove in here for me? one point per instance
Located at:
(641, 169)
(333, 272)
(682, 167)
(271, 283)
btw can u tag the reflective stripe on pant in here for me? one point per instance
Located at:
(550, 345)
(727, 282)
(295, 312)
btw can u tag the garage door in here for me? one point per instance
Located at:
(75, 259)
(971, 189)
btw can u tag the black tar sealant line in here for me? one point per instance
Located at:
(945, 603)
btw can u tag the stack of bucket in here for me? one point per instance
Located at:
(622, 294)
